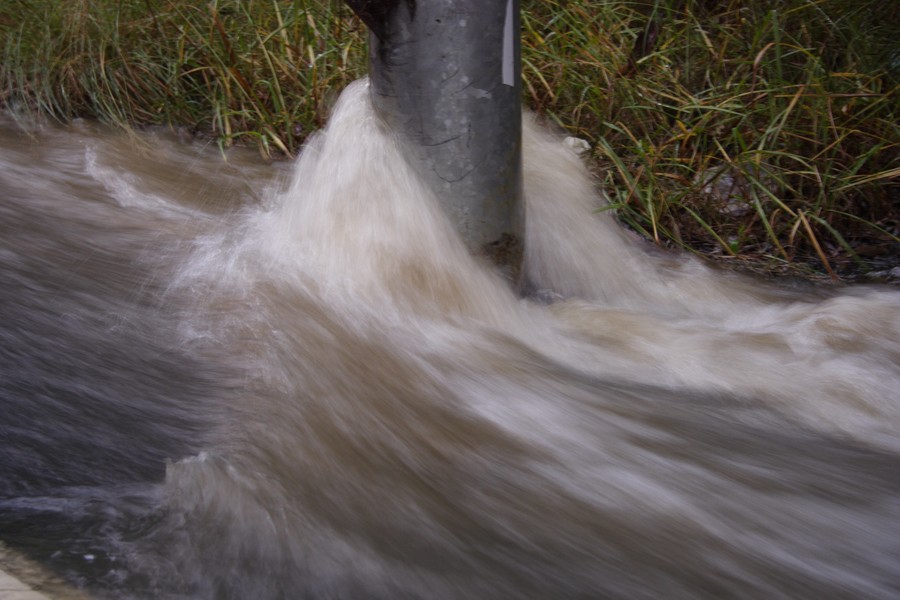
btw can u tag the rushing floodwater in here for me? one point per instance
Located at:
(224, 380)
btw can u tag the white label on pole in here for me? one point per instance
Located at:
(509, 70)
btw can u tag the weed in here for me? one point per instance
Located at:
(736, 129)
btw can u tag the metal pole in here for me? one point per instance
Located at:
(445, 76)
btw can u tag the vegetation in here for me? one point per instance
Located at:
(746, 130)
(242, 71)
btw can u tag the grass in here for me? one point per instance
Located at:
(242, 71)
(748, 131)
(739, 129)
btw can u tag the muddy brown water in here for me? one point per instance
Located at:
(226, 379)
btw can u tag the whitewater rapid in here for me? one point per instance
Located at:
(222, 381)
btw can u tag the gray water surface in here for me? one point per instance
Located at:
(225, 379)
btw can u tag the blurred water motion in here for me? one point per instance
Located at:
(227, 380)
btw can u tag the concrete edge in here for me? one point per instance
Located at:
(24, 579)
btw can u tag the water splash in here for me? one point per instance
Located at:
(391, 419)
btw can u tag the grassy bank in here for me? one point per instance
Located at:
(743, 130)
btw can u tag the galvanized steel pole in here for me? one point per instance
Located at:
(445, 76)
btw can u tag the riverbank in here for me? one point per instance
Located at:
(750, 134)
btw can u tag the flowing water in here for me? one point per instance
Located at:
(228, 380)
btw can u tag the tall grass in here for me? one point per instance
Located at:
(735, 128)
(741, 129)
(257, 71)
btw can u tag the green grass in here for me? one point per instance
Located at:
(743, 130)
(260, 72)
